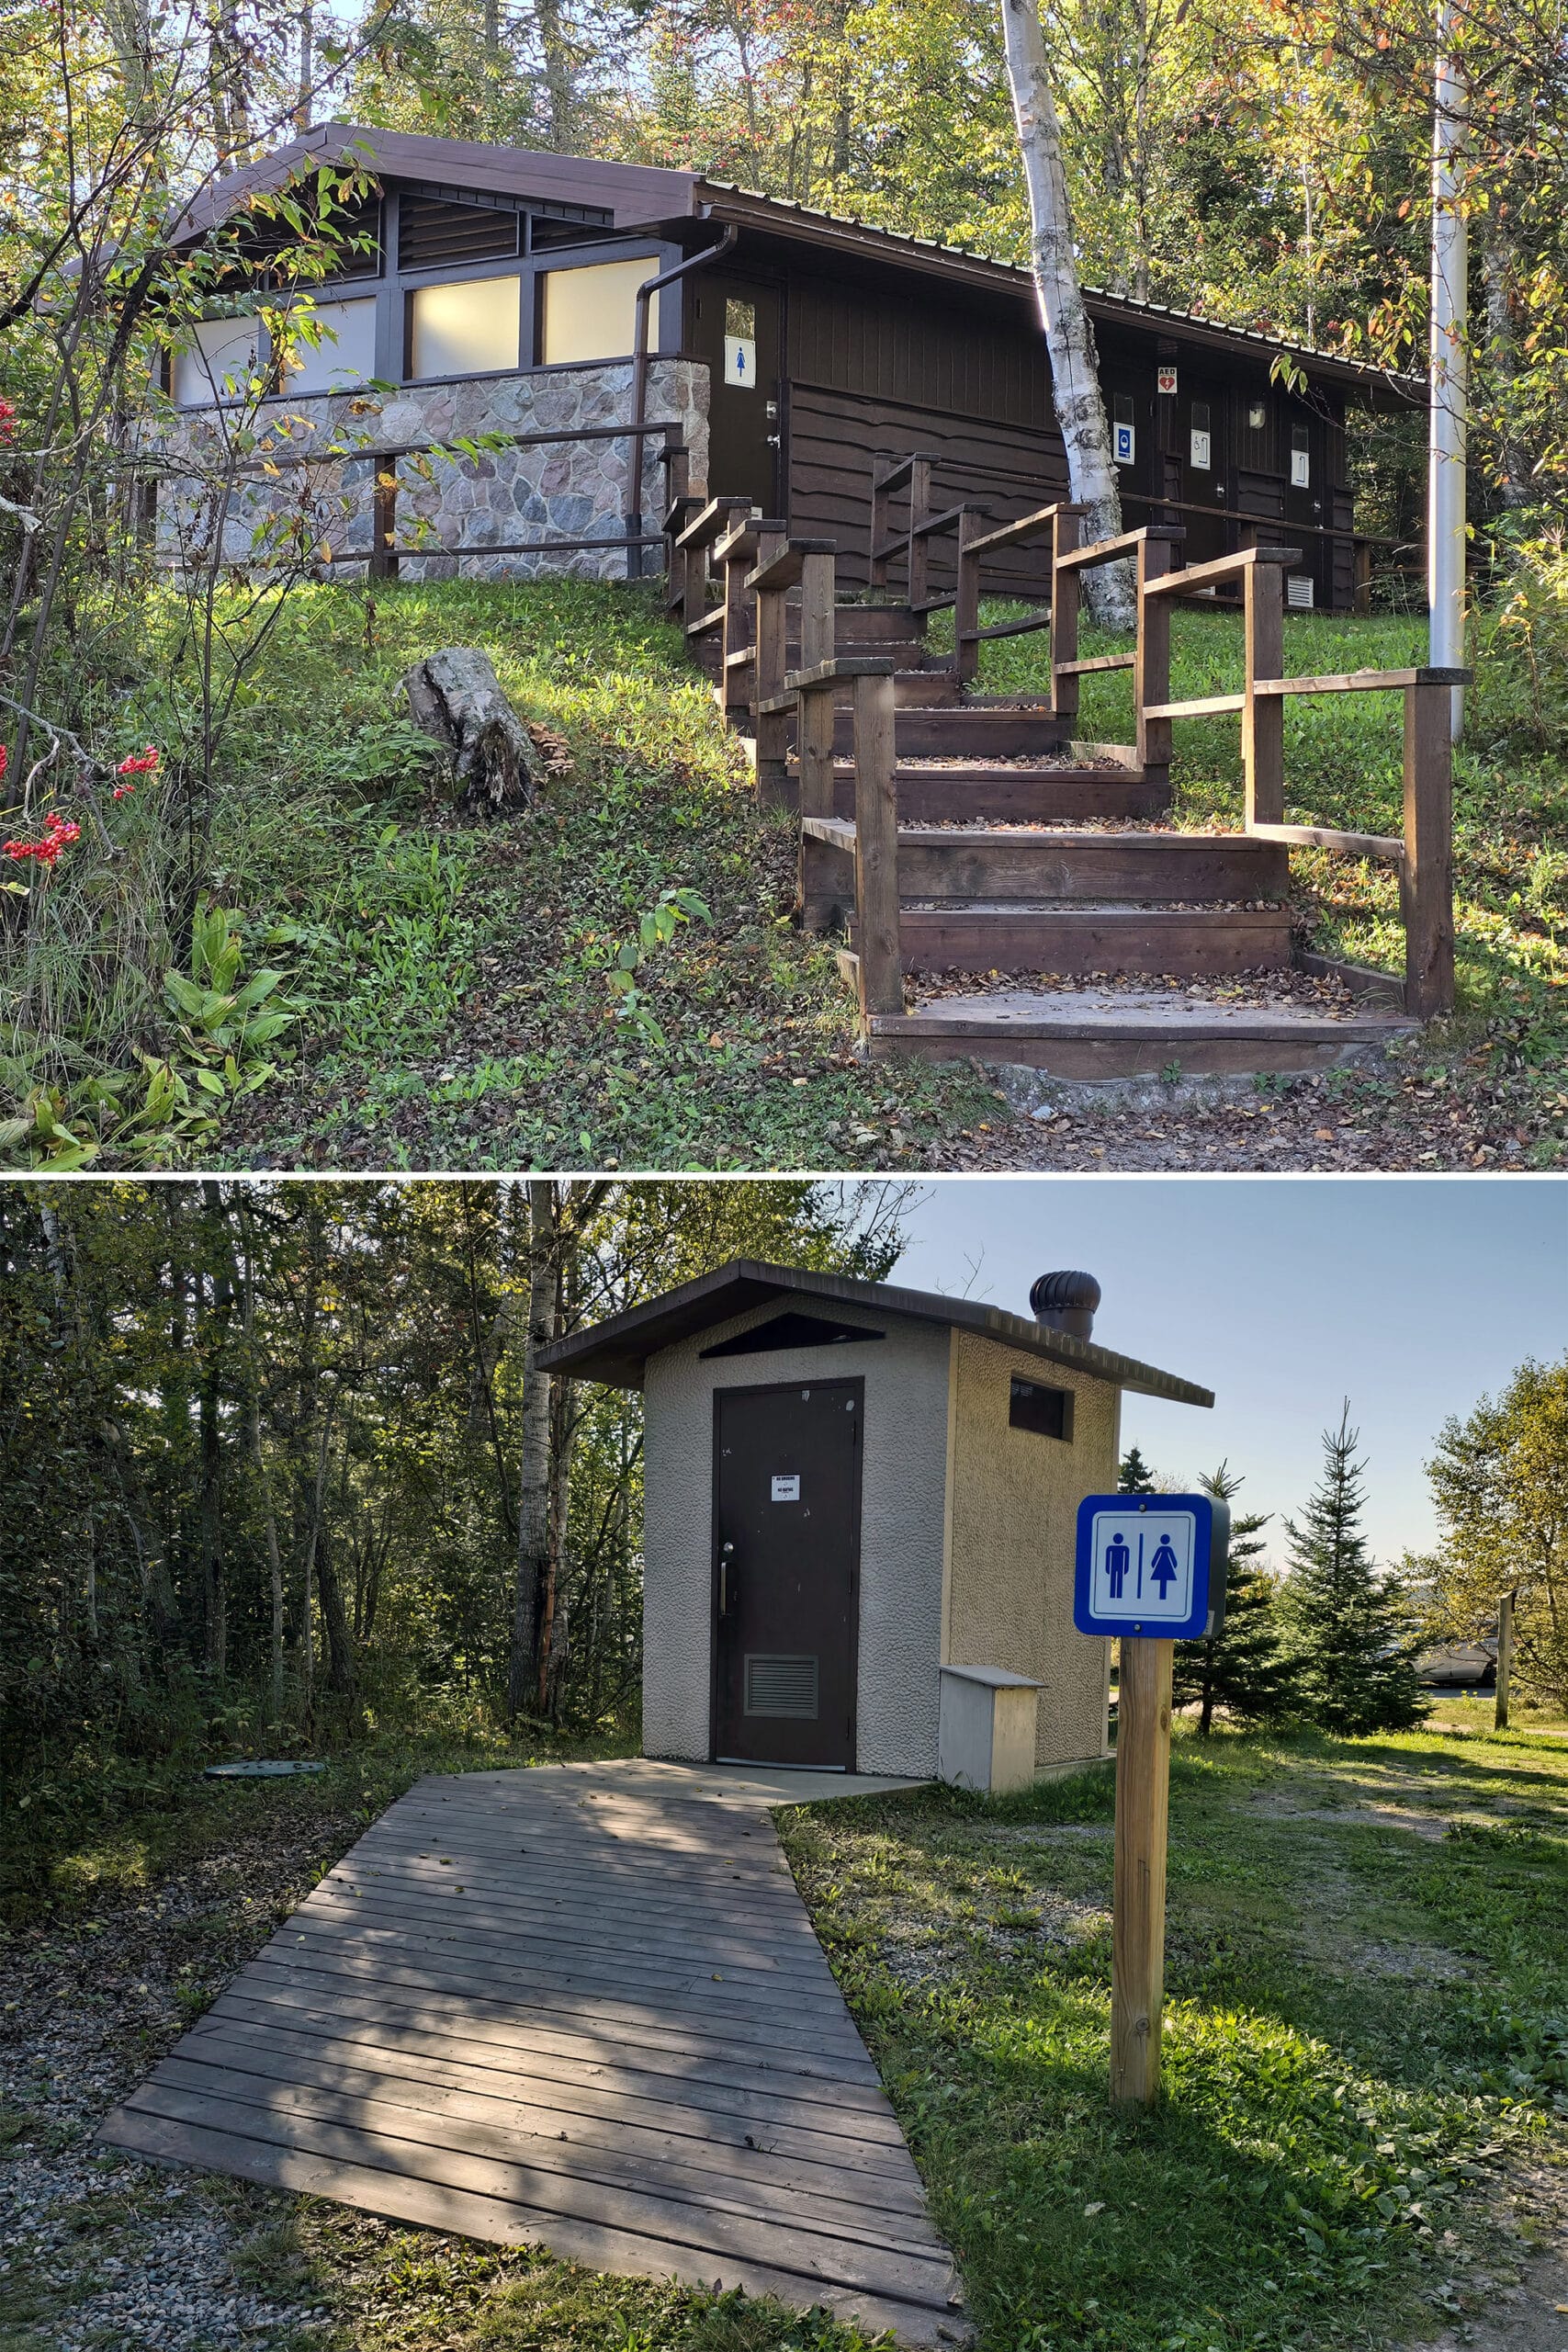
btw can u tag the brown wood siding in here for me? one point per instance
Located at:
(957, 358)
(1007, 468)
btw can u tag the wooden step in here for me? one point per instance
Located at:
(1085, 1034)
(983, 865)
(959, 730)
(1011, 936)
(1031, 796)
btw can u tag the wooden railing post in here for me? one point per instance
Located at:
(1263, 715)
(771, 622)
(383, 563)
(1064, 615)
(1427, 875)
(877, 573)
(967, 601)
(881, 977)
(1151, 662)
(919, 512)
(820, 903)
(738, 561)
(817, 592)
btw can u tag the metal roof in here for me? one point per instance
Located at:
(616, 1350)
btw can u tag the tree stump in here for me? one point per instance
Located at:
(456, 698)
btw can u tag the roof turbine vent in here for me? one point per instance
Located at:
(1065, 1302)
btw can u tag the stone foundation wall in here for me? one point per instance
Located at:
(571, 490)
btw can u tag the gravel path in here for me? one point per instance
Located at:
(98, 2250)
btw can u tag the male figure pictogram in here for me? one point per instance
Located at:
(1118, 1560)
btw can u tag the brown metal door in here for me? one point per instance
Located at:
(1304, 497)
(738, 333)
(786, 1573)
(1202, 409)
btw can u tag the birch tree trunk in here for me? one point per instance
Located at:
(1074, 377)
(534, 1475)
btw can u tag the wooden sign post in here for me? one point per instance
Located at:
(1143, 1813)
(1151, 1570)
(1505, 1660)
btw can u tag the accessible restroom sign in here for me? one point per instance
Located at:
(1151, 1566)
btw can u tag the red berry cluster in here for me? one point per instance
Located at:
(135, 765)
(58, 834)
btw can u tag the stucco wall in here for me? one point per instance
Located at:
(1013, 1501)
(902, 1527)
(573, 490)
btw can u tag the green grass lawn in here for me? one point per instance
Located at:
(1365, 2054)
(1366, 2029)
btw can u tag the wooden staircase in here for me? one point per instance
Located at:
(946, 834)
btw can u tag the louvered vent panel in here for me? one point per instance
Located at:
(781, 1685)
(438, 236)
(1299, 592)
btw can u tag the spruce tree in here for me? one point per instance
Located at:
(1341, 1618)
(1244, 1669)
(1134, 1476)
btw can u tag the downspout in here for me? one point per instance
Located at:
(639, 379)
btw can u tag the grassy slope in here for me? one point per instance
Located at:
(1363, 2026)
(462, 1013)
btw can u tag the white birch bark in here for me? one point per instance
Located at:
(1074, 377)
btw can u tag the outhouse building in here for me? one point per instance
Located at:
(493, 290)
(860, 1511)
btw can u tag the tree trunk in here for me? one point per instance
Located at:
(1075, 377)
(533, 1477)
(456, 698)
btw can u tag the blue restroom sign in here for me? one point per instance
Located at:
(1151, 1564)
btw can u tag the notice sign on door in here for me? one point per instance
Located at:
(1301, 469)
(1199, 459)
(1164, 380)
(739, 359)
(787, 1490)
(1126, 444)
(1153, 1566)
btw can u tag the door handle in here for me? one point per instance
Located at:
(724, 1551)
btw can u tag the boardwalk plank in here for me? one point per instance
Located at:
(620, 2039)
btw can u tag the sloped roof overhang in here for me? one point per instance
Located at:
(616, 1350)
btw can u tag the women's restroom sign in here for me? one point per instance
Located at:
(1151, 1566)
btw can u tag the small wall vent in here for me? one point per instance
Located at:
(1298, 593)
(780, 1687)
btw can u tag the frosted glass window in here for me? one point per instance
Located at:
(468, 328)
(221, 348)
(347, 361)
(591, 314)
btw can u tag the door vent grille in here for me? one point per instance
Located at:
(781, 1687)
(1299, 593)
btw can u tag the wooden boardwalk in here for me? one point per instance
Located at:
(581, 2006)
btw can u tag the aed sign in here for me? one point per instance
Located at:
(1126, 437)
(739, 359)
(787, 1490)
(1164, 380)
(1151, 1564)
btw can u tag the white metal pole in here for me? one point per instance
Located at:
(1449, 363)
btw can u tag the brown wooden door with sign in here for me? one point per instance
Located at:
(736, 325)
(786, 1573)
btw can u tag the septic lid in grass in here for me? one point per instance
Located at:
(259, 1771)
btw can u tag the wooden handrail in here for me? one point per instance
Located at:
(1196, 577)
(1011, 534)
(1387, 846)
(1365, 681)
(901, 472)
(786, 570)
(1127, 544)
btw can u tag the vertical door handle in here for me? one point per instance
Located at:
(724, 1552)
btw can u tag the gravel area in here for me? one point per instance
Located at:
(99, 2251)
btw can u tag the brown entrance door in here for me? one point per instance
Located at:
(738, 333)
(1305, 499)
(786, 1573)
(1201, 412)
